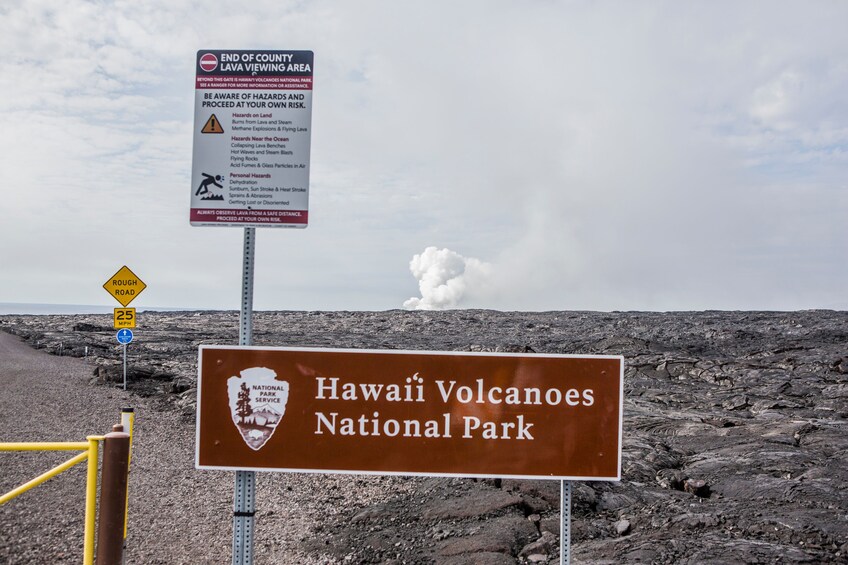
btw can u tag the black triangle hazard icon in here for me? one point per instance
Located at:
(212, 125)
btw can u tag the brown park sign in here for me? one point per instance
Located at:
(410, 412)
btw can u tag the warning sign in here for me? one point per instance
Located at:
(212, 125)
(124, 286)
(254, 169)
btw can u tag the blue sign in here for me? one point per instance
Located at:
(124, 336)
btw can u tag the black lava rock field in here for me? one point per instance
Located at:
(735, 445)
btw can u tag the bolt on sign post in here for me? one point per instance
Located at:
(250, 167)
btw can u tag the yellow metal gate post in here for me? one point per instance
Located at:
(90, 501)
(128, 422)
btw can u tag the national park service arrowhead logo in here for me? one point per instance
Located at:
(257, 404)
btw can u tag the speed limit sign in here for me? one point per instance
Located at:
(124, 318)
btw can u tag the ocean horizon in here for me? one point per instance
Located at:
(35, 309)
(30, 309)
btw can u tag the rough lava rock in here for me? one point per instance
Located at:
(735, 444)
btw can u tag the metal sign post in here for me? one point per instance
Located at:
(244, 497)
(124, 336)
(124, 286)
(250, 167)
(125, 366)
(565, 525)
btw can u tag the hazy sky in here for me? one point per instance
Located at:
(555, 155)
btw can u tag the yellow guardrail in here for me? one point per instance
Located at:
(90, 454)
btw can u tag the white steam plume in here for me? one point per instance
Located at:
(446, 279)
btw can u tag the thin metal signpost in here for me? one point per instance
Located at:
(565, 525)
(244, 498)
(257, 81)
(125, 366)
(124, 336)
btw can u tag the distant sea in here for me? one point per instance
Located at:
(24, 308)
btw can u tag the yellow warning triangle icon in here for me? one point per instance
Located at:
(212, 125)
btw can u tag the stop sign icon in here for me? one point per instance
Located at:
(208, 62)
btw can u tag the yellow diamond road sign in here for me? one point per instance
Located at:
(124, 286)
